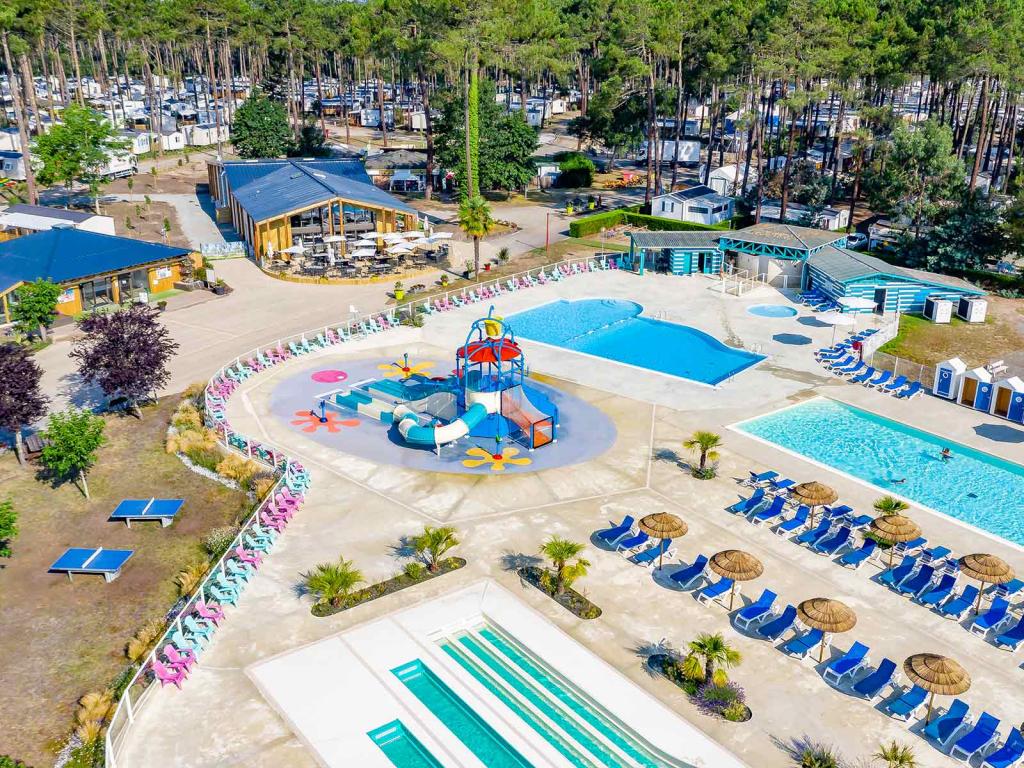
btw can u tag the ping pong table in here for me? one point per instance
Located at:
(92, 560)
(163, 510)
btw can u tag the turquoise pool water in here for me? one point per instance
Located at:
(772, 310)
(612, 329)
(402, 748)
(568, 720)
(471, 729)
(975, 487)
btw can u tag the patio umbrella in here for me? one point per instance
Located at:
(937, 675)
(813, 494)
(828, 615)
(895, 529)
(399, 248)
(362, 253)
(364, 242)
(988, 569)
(737, 565)
(663, 525)
(296, 249)
(440, 235)
(334, 239)
(856, 302)
(836, 319)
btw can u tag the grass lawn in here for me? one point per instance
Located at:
(923, 341)
(59, 639)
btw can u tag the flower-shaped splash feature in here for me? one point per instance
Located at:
(329, 376)
(309, 421)
(497, 461)
(404, 369)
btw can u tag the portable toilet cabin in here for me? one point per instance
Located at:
(972, 309)
(948, 375)
(938, 310)
(1009, 399)
(976, 390)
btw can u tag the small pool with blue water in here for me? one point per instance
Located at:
(614, 330)
(972, 486)
(772, 310)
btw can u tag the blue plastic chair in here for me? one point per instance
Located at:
(632, 542)
(611, 535)
(944, 728)
(992, 618)
(917, 582)
(814, 535)
(776, 628)
(936, 594)
(984, 732)
(776, 508)
(903, 707)
(869, 687)
(800, 518)
(1012, 638)
(856, 557)
(690, 573)
(847, 664)
(714, 591)
(895, 575)
(749, 504)
(803, 644)
(757, 610)
(1009, 754)
(832, 544)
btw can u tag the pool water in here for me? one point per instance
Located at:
(613, 329)
(573, 724)
(471, 729)
(772, 310)
(402, 748)
(974, 487)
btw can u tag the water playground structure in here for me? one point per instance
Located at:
(485, 397)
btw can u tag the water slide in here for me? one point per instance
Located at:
(413, 432)
(517, 408)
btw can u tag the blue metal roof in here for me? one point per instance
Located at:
(267, 189)
(64, 255)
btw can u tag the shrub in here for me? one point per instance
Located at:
(262, 484)
(589, 225)
(414, 570)
(218, 540)
(238, 468)
(190, 440)
(148, 634)
(208, 458)
(189, 579)
(577, 170)
(187, 417)
(10, 762)
(818, 757)
(504, 254)
(716, 699)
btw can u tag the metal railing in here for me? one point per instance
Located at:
(138, 690)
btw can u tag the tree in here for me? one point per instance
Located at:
(568, 565)
(890, 505)
(260, 128)
(333, 582)
(8, 527)
(707, 658)
(434, 543)
(895, 755)
(125, 353)
(704, 443)
(71, 440)
(475, 220)
(78, 148)
(21, 402)
(36, 307)
(964, 237)
(311, 143)
(576, 171)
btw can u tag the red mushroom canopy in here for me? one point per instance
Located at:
(490, 351)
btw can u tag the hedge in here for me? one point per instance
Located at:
(589, 225)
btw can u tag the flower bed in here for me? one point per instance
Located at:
(570, 599)
(725, 701)
(387, 587)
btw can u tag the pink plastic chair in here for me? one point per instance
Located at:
(179, 659)
(246, 556)
(210, 611)
(277, 523)
(168, 674)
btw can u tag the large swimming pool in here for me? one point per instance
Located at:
(975, 487)
(613, 329)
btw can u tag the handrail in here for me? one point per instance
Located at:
(274, 457)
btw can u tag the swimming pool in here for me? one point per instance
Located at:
(974, 487)
(613, 329)
(772, 310)
(401, 747)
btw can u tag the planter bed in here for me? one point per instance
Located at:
(570, 599)
(387, 587)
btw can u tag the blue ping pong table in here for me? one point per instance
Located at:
(163, 510)
(92, 560)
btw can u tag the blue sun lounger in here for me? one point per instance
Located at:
(896, 384)
(1009, 589)
(915, 388)
(1009, 754)
(690, 573)
(869, 687)
(849, 370)
(856, 557)
(917, 582)
(749, 504)
(715, 591)
(814, 535)
(938, 593)
(758, 479)
(626, 546)
(163, 510)
(943, 729)
(92, 560)
(777, 507)
(984, 732)
(1011, 639)
(883, 378)
(955, 608)
(894, 576)
(832, 544)
(804, 644)
(787, 526)
(611, 535)
(847, 664)
(997, 613)
(863, 376)
(907, 704)
(778, 486)
(651, 555)
(776, 628)
(757, 610)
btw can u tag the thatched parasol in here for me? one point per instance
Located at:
(937, 675)
(663, 525)
(828, 615)
(737, 565)
(895, 529)
(988, 569)
(813, 494)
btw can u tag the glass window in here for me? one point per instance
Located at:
(96, 293)
(698, 209)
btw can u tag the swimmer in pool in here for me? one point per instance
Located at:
(901, 481)
(946, 454)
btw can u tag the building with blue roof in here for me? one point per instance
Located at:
(274, 203)
(94, 269)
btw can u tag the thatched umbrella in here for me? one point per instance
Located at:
(813, 494)
(895, 529)
(828, 615)
(663, 525)
(937, 675)
(988, 569)
(737, 565)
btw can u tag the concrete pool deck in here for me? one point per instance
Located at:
(361, 511)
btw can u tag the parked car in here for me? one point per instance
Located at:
(856, 240)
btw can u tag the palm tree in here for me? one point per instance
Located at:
(705, 443)
(433, 543)
(560, 552)
(890, 505)
(707, 656)
(332, 582)
(475, 220)
(895, 755)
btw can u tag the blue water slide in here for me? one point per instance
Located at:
(411, 430)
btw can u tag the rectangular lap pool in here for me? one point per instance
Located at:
(974, 487)
(613, 329)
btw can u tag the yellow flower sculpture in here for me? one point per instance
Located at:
(497, 461)
(404, 369)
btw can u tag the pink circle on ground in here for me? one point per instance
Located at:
(329, 376)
